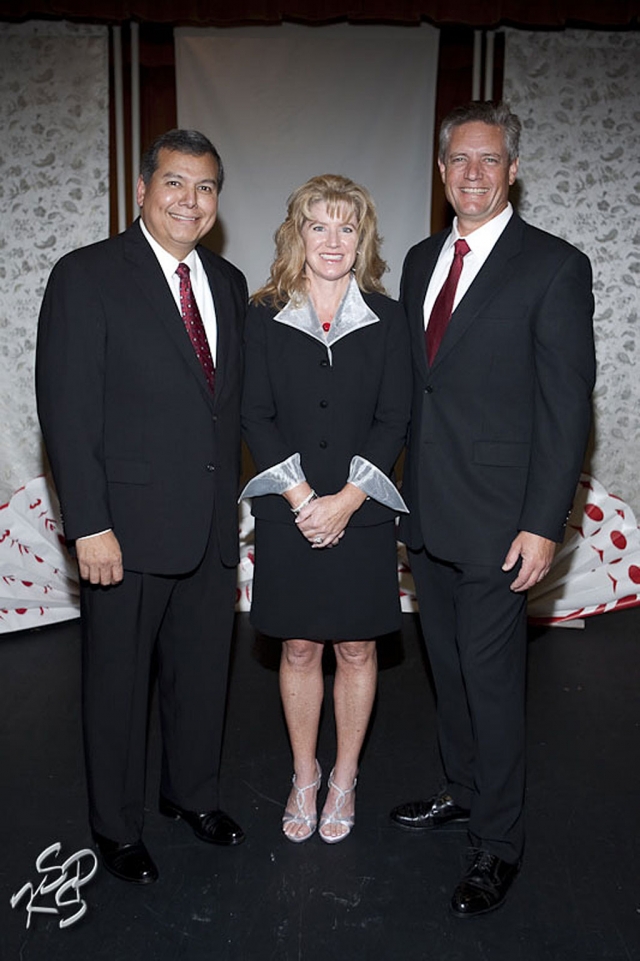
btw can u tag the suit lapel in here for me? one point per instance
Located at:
(493, 274)
(417, 296)
(151, 282)
(223, 303)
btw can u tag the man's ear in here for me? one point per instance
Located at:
(140, 191)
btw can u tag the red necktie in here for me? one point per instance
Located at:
(443, 306)
(194, 326)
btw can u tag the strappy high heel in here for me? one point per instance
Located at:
(335, 817)
(299, 817)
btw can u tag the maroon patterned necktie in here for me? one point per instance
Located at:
(443, 306)
(194, 326)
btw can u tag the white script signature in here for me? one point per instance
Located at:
(63, 881)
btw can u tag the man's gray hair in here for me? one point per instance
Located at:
(494, 113)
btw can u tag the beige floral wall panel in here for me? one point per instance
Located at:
(54, 128)
(578, 96)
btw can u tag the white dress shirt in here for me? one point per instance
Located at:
(481, 242)
(199, 283)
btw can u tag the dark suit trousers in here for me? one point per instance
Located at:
(186, 622)
(475, 632)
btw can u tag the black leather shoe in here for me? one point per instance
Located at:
(213, 826)
(129, 862)
(426, 815)
(484, 886)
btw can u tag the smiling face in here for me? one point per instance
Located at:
(180, 203)
(330, 244)
(477, 174)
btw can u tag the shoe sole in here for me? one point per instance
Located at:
(330, 839)
(476, 914)
(297, 839)
(452, 823)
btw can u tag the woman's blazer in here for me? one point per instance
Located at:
(326, 405)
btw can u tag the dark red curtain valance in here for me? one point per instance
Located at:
(473, 13)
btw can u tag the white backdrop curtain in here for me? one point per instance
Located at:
(577, 94)
(286, 102)
(54, 157)
(283, 103)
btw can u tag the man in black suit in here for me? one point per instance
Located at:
(501, 414)
(138, 380)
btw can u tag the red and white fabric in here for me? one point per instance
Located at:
(596, 569)
(38, 579)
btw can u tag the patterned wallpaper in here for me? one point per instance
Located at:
(54, 165)
(575, 91)
(577, 94)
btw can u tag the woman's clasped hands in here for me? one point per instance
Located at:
(323, 520)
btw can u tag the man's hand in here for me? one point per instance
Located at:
(536, 553)
(323, 521)
(100, 559)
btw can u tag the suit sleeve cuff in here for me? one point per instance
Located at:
(87, 537)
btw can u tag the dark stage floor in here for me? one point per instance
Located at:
(382, 894)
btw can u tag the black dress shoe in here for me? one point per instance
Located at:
(129, 862)
(484, 886)
(213, 826)
(426, 815)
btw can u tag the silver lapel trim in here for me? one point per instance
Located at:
(352, 314)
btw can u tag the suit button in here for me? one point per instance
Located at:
(323, 444)
(324, 363)
(214, 418)
(324, 403)
(428, 390)
(210, 467)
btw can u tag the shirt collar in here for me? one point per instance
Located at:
(482, 240)
(352, 314)
(167, 261)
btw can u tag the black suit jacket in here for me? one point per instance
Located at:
(500, 421)
(135, 439)
(296, 400)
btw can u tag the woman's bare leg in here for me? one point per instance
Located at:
(302, 689)
(353, 696)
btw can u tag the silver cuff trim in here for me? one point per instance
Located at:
(275, 480)
(375, 484)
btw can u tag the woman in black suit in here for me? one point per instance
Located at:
(325, 412)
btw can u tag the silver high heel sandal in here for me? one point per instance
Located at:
(299, 817)
(347, 820)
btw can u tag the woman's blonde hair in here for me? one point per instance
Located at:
(343, 198)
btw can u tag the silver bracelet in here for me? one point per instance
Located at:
(310, 497)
